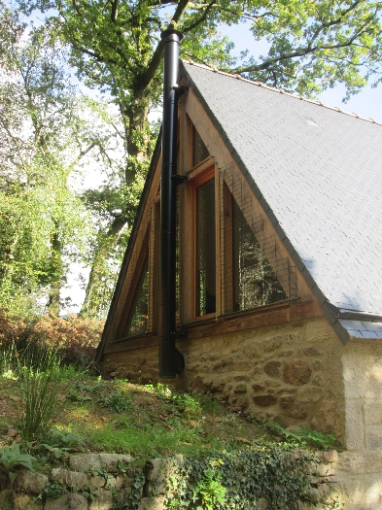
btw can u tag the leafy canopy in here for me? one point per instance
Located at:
(115, 47)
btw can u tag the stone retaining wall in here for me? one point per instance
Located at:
(106, 482)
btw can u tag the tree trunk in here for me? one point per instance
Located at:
(97, 295)
(97, 290)
(57, 270)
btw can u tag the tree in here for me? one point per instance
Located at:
(45, 137)
(116, 46)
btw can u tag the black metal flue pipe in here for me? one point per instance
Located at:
(170, 359)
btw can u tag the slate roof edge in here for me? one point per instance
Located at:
(332, 313)
(129, 249)
(281, 91)
(353, 315)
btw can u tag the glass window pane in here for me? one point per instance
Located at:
(137, 323)
(205, 249)
(254, 281)
(200, 151)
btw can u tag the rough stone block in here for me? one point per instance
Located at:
(363, 371)
(73, 479)
(326, 470)
(32, 483)
(374, 437)
(61, 503)
(155, 503)
(83, 462)
(78, 502)
(123, 481)
(273, 368)
(296, 373)
(311, 351)
(240, 388)
(354, 491)
(367, 461)
(355, 433)
(264, 400)
(96, 482)
(25, 502)
(6, 499)
(155, 472)
(286, 401)
(103, 502)
(112, 460)
(330, 456)
(373, 412)
(373, 491)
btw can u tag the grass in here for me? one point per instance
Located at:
(116, 416)
(90, 414)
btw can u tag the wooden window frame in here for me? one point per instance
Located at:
(199, 175)
(227, 265)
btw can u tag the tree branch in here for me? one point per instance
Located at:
(201, 19)
(114, 11)
(301, 53)
(182, 5)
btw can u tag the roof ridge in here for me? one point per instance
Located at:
(281, 91)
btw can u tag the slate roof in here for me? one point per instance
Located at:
(318, 174)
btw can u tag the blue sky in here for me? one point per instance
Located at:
(367, 103)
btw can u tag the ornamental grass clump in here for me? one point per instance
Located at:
(39, 375)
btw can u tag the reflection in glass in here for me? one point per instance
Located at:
(205, 249)
(254, 281)
(137, 323)
(200, 151)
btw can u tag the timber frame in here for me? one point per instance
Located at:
(192, 116)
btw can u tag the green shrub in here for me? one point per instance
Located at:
(75, 338)
(11, 459)
(237, 480)
(117, 402)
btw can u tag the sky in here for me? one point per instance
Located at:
(367, 103)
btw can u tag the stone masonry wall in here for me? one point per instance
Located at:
(96, 482)
(290, 373)
(361, 465)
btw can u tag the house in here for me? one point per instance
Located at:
(279, 267)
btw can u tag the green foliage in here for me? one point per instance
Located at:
(53, 490)
(237, 480)
(135, 495)
(47, 139)
(115, 48)
(12, 459)
(61, 442)
(183, 403)
(7, 360)
(117, 402)
(209, 491)
(304, 437)
(318, 439)
(209, 404)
